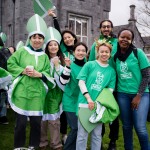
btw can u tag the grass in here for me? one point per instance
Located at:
(7, 135)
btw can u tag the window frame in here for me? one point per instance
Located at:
(75, 17)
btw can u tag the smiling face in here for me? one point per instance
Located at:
(53, 48)
(68, 39)
(125, 39)
(36, 41)
(103, 54)
(106, 28)
(80, 52)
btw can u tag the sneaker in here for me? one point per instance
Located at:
(31, 148)
(3, 120)
(64, 138)
(112, 146)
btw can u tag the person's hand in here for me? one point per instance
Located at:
(24, 72)
(29, 72)
(90, 104)
(32, 73)
(55, 61)
(51, 13)
(67, 61)
(36, 74)
(135, 102)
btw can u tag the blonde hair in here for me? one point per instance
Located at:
(102, 43)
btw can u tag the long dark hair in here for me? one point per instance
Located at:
(100, 25)
(59, 54)
(70, 32)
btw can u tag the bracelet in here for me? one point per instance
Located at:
(85, 93)
(139, 94)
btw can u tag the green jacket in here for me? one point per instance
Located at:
(27, 94)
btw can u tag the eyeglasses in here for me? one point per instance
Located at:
(107, 26)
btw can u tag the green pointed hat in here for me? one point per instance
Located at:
(19, 45)
(52, 34)
(3, 38)
(41, 7)
(36, 25)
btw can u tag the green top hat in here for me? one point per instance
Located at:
(3, 38)
(41, 7)
(36, 25)
(52, 34)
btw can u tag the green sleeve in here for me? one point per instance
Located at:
(84, 72)
(112, 63)
(13, 64)
(113, 80)
(92, 53)
(46, 71)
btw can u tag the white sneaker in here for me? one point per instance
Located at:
(31, 148)
(64, 138)
(21, 148)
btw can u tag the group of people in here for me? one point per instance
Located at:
(58, 80)
(5, 53)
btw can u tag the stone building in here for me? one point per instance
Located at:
(147, 46)
(138, 40)
(81, 16)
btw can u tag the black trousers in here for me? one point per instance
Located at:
(114, 130)
(20, 131)
(63, 123)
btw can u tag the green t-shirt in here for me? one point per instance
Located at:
(65, 52)
(129, 72)
(96, 78)
(71, 92)
(93, 51)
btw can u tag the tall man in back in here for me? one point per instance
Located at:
(106, 35)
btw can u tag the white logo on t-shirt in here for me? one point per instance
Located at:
(124, 69)
(99, 79)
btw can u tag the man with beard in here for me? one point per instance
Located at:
(106, 30)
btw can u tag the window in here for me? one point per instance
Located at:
(79, 25)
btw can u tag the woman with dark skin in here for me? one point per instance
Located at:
(132, 91)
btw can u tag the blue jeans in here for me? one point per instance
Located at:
(136, 118)
(82, 137)
(71, 139)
